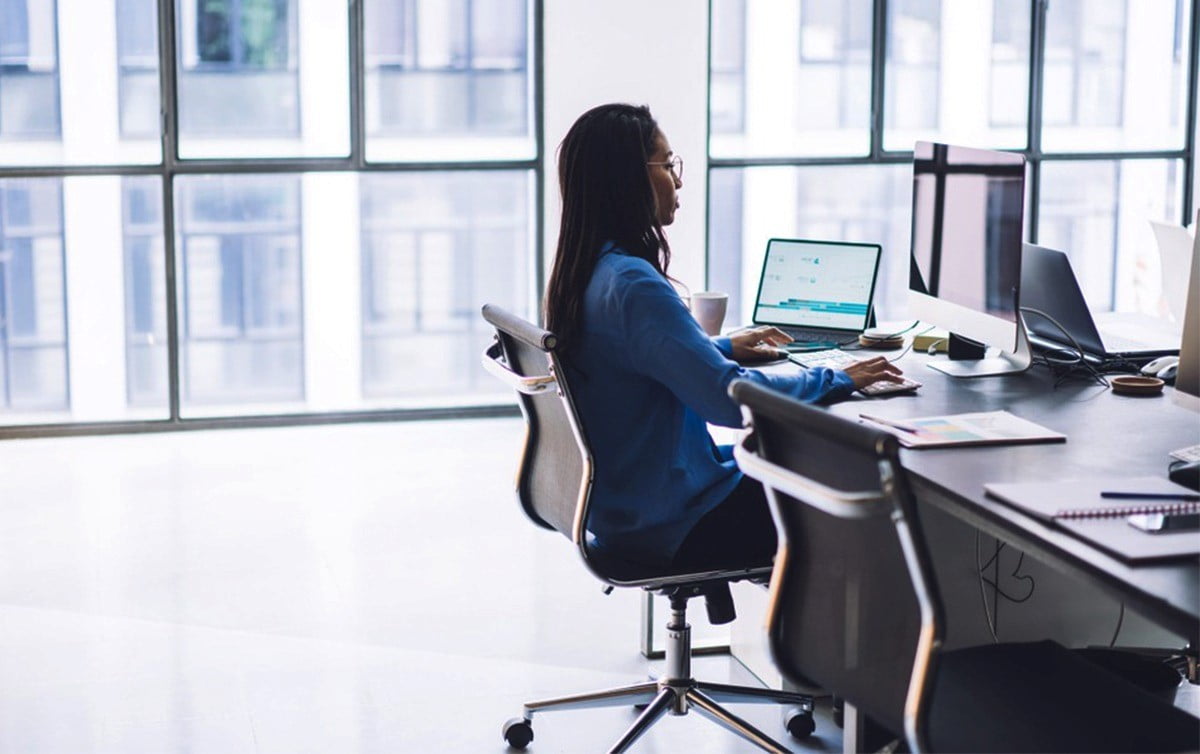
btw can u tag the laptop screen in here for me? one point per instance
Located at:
(817, 284)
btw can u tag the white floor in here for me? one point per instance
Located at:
(354, 588)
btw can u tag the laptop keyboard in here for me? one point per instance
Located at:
(810, 336)
(838, 359)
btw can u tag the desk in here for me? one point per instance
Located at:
(1107, 434)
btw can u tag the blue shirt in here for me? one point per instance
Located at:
(646, 379)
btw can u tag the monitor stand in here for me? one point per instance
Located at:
(1001, 362)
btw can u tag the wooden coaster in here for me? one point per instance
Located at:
(881, 344)
(1132, 385)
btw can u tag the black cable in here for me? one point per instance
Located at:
(1117, 631)
(1066, 362)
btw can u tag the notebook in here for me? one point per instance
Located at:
(982, 428)
(1077, 507)
(1048, 285)
(819, 292)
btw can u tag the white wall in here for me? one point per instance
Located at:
(646, 54)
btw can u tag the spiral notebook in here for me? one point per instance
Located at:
(1076, 506)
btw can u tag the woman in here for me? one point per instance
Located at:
(645, 376)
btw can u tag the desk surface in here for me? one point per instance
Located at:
(1107, 435)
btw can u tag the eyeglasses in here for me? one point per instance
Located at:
(676, 165)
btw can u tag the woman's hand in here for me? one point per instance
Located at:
(759, 343)
(871, 370)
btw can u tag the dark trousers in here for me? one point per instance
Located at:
(737, 533)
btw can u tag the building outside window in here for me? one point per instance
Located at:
(435, 248)
(450, 66)
(28, 69)
(240, 296)
(33, 330)
(145, 291)
(239, 74)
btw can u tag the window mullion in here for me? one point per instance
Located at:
(1189, 160)
(169, 113)
(878, 72)
(1033, 146)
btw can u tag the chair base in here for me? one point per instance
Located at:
(669, 695)
(676, 692)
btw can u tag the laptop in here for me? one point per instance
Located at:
(819, 292)
(1048, 284)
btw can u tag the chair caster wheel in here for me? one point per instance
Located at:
(518, 733)
(800, 723)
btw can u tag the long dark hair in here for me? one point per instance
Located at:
(606, 196)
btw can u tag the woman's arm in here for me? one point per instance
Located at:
(666, 343)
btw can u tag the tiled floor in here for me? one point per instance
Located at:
(353, 588)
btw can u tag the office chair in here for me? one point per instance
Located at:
(855, 608)
(554, 484)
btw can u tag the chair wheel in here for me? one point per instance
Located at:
(518, 733)
(800, 724)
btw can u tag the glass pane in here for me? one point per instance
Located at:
(436, 247)
(727, 72)
(1116, 75)
(137, 69)
(448, 80)
(802, 89)
(33, 327)
(71, 303)
(1097, 213)
(846, 203)
(145, 291)
(71, 95)
(955, 74)
(249, 88)
(240, 325)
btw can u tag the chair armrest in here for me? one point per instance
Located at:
(835, 502)
(527, 385)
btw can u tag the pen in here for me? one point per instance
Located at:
(1183, 496)
(890, 423)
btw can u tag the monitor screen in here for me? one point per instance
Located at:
(967, 227)
(825, 284)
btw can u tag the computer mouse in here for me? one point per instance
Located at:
(1167, 373)
(1152, 368)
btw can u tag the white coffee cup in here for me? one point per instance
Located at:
(708, 307)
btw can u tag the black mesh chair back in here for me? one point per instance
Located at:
(845, 612)
(555, 470)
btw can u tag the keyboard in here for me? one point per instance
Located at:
(1189, 454)
(835, 358)
(814, 336)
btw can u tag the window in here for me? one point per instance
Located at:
(239, 255)
(28, 69)
(436, 247)
(239, 74)
(1114, 90)
(447, 68)
(264, 267)
(728, 56)
(137, 68)
(33, 332)
(145, 291)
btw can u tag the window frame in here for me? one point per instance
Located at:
(1033, 151)
(172, 166)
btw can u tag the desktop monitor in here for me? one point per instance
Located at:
(1187, 379)
(965, 269)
